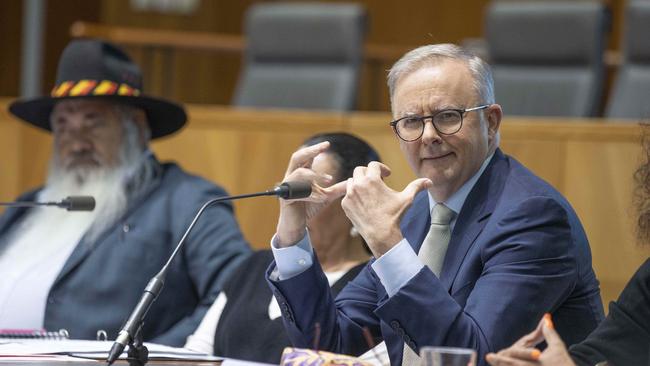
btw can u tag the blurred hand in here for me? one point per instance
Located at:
(295, 213)
(375, 209)
(524, 353)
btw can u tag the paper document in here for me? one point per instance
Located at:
(92, 349)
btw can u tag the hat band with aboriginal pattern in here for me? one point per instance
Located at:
(83, 88)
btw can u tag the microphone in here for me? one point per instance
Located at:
(293, 190)
(131, 329)
(70, 203)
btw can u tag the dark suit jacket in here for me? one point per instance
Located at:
(623, 338)
(102, 281)
(517, 251)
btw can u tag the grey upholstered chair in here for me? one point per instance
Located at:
(630, 97)
(302, 55)
(547, 56)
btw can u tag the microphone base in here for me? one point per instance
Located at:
(138, 355)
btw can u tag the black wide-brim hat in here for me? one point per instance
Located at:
(91, 68)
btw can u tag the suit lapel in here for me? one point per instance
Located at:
(473, 216)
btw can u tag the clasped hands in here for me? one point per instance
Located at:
(374, 209)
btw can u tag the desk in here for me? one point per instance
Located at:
(590, 161)
(96, 363)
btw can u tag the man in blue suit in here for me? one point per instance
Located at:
(86, 271)
(504, 247)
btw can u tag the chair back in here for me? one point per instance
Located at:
(302, 55)
(547, 56)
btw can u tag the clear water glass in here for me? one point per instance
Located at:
(447, 356)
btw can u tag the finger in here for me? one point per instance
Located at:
(416, 186)
(378, 170)
(336, 190)
(500, 360)
(359, 172)
(308, 175)
(348, 185)
(315, 180)
(552, 338)
(305, 175)
(304, 156)
(323, 180)
(533, 338)
(497, 360)
(547, 321)
(326, 195)
(522, 353)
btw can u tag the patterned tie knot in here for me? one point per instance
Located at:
(442, 215)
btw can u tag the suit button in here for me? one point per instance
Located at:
(394, 324)
(126, 228)
(412, 345)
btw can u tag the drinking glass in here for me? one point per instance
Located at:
(448, 356)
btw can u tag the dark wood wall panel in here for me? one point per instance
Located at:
(10, 24)
(202, 77)
(198, 77)
(60, 14)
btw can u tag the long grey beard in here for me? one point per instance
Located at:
(106, 185)
(112, 187)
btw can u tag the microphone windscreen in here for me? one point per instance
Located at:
(294, 190)
(79, 203)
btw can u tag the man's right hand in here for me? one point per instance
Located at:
(295, 213)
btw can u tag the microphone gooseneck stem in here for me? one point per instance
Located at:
(155, 285)
(70, 203)
(163, 271)
(29, 204)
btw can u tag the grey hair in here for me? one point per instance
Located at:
(126, 114)
(139, 169)
(434, 54)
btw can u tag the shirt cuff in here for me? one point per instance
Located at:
(293, 260)
(397, 266)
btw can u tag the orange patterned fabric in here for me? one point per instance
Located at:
(92, 87)
(307, 357)
(62, 89)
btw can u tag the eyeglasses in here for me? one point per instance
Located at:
(446, 122)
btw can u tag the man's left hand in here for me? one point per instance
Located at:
(375, 209)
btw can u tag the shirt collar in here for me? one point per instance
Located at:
(455, 201)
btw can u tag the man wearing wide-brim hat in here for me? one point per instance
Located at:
(85, 271)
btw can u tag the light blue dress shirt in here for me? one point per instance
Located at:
(395, 268)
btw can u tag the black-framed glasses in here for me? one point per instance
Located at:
(446, 122)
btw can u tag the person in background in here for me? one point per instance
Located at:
(85, 271)
(623, 338)
(467, 255)
(246, 322)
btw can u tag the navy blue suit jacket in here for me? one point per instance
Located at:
(101, 281)
(517, 251)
